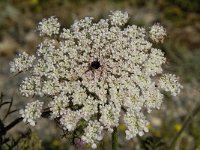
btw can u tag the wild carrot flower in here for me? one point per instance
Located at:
(95, 72)
(32, 112)
(157, 33)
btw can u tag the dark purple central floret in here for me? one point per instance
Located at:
(95, 64)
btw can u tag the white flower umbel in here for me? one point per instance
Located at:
(169, 83)
(31, 86)
(110, 116)
(70, 119)
(97, 72)
(152, 98)
(157, 33)
(93, 133)
(118, 18)
(90, 108)
(136, 123)
(32, 112)
(58, 105)
(49, 26)
(22, 63)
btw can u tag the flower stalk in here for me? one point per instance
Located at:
(187, 121)
(114, 139)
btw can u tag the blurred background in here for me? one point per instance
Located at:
(181, 18)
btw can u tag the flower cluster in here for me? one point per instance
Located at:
(93, 133)
(22, 62)
(169, 82)
(32, 112)
(157, 33)
(101, 73)
(49, 26)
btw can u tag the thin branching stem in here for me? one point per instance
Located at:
(9, 109)
(189, 118)
(5, 129)
(12, 124)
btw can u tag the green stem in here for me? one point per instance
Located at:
(185, 124)
(114, 139)
(102, 145)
